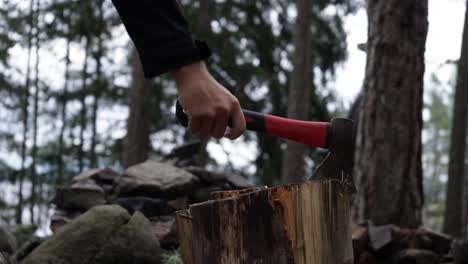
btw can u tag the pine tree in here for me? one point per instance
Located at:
(99, 82)
(34, 175)
(137, 148)
(387, 164)
(299, 90)
(25, 106)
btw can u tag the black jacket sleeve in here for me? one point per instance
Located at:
(161, 35)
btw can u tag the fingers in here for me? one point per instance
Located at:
(238, 122)
(201, 124)
(194, 124)
(208, 124)
(207, 127)
(220, 125)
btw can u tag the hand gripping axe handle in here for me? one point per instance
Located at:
(337, 136)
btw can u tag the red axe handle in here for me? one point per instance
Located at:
(316, 134)
(310, 133)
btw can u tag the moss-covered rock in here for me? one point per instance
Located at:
(104, 234)
(132, 243)
(23, 233)
(7, 241)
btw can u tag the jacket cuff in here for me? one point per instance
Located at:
(182, 53)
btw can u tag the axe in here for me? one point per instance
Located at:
(337, 136)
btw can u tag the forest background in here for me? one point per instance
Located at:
(70, 81)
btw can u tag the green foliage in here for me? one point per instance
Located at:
(174, 258)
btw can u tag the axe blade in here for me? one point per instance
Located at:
(338, 163)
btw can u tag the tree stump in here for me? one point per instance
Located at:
(291, 224)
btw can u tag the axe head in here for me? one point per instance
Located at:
(339, 162)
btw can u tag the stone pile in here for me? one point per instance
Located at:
(155, 189)
(390, 244)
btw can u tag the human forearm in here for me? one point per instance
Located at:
(161, 35)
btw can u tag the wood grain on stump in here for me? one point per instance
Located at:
(291, 224)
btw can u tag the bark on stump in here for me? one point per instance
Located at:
(291, 224)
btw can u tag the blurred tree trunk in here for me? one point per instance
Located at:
(34, 180)
(205, 17)
(434, 195)
(454, 203)
(63, 116)
(387, 164)
(138, 133)
(465, 209)
(25, 104)
(354, 109)
(293, 168)
(98, 87)
(83, 93)
(353, 114)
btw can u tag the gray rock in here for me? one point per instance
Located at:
(165, 229)
(227, 181)
(147, 206)
(79, 195)
(88, 189)
(179, 203)
(99, 175)
(155, 179)
(62, 217)
(203, 194)
(380, 236)
(185, 155)
(104, 234)
(7, 241)
(106, 178)
(436, 242)
(460, 252)
(416, 256)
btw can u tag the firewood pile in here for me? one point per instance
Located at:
(390, 244)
